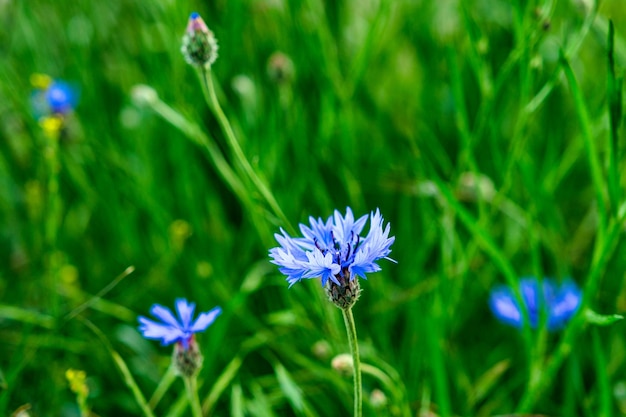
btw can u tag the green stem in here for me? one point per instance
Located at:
(191, 386)
(590, 147)
(161, 389)
(230, 177)
(52, 223)
(348, 319)
(602, 377)
(601, 256)
(238, 152)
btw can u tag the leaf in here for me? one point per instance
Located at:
(26, 316)
(236, 401)
(488, 380)
(3, 381)
(289, 387)
(260, 404)
(592, 317)
(122, 368)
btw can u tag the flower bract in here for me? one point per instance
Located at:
(335, 249)
(179, 328)
(199, 45)
(560, 301)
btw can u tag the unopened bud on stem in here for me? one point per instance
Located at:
(187, 360)
(199, 44)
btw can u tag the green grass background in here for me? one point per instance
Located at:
(455, 118)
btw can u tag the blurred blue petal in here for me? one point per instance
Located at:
(504, 306)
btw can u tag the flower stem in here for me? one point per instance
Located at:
(53, 213)
(192, 392)
(238, 152)
(348, 319)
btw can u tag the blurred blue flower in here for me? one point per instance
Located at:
(61, 97)
(176, 329)
(52, 96)
(333, 249)
(560, 301)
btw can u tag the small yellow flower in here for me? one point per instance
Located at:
(51, 126)
(77, 380)
(41, 81)
(78, 384)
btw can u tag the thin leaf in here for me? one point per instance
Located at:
(121, 366)
(26, 316)
(236, 401)
(101, 293)
(290, 389)
(592, 317)
(488, 380)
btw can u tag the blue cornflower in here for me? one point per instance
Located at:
(61, 97)
(561, 302)
(334, 251)
(176, 329)
(52, 97)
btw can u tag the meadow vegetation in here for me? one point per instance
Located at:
(487, 132)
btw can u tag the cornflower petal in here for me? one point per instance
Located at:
(322, 266)
(319, 234)
(185, 311)
(294, 246)
(288, 264)
(173, 329)
(504, 306)
(204, 320)
(153, 330)
(364, 263)
(565, 304)
(345, 227)
(377, 238)
(165, 314)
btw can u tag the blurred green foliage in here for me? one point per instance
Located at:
(455, 118)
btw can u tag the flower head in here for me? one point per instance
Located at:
(61, 97)
(199, 44)
(143, 95)
(176, 329)
(335, 251)
(559, 301)
(280, 68)
(52, 97)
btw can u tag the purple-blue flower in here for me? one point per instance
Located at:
(560, 301)
(334, 249)
(176, 329)
(61, 97)
(53, 97)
